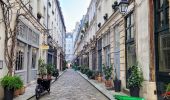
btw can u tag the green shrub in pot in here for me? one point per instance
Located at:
(135, 80)
(10, 83)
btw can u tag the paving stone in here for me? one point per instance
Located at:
(71, 86)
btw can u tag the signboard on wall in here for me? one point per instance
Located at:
(44, 47)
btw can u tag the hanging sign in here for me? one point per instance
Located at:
(44, 47)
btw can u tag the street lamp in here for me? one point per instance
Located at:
(123, 6)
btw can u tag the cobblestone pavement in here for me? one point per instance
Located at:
(71, 86)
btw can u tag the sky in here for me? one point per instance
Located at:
(73, 11)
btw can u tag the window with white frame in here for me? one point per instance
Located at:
(19, 65)
(106, 45)
(34, 58)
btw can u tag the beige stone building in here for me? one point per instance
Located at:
(42, 23)
(139, 35)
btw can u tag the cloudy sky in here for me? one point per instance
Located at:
(73, 10)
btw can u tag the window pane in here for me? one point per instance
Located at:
(34, 57)
(132, 19)
(19, 57)
(164, 61)
(167, 16)
(131, 55)
(160, 3)
(128, 34)
(130, 59)
(132, 33)
(127, 22)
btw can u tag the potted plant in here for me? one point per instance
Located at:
(9, 84)
(117, 82)
(93, 75)
(49, 70)
(89, 74)
(108, 73)
(96, 73)
(99, 77)
(42, 68)
(135, 80)
(18, 85)
(22, 90)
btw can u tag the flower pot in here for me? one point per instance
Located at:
(134, 91)
(99, 78)
(49, 76)
(16, 92)
(117, 85)
(96, 78)
(108, 83)
(22, 90)
(8, 94)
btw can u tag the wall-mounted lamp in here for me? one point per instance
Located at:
(123, 6)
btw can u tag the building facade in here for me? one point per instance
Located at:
(43, 25)
(138, 36)
(69, 47)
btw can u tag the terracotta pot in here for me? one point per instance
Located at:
(49, 76)
(96, 77)
(22, 90)
(16, 92)
(108, 83)
(99, 79)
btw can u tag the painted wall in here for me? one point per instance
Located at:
(143, 37)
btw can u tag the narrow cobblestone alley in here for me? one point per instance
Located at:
(71, 86)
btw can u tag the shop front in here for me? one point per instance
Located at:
(27, 53)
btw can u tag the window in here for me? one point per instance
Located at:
(94, 59)
(45, 18)
(100, 55)
(19, 57)
(107, 56)
(162, 15)
(106, 45)
(162, 29)
(116, 54)
(106, 39)
(162, 41)
(34, 58)
(130, 43)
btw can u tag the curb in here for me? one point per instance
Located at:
(86, 78)
(51, 82)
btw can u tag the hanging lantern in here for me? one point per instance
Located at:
(123, 6)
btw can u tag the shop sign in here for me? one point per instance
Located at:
(44, 47)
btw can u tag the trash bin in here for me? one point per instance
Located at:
(122, 97)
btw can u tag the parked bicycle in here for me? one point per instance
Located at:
(42, 86)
